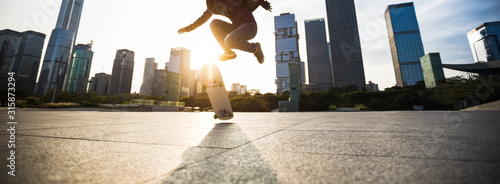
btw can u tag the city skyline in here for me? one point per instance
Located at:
(446, 22)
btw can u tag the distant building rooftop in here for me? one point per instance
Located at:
(483, 25)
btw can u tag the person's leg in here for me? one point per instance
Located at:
(238, 39)
(220, 30)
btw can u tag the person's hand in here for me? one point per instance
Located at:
(182, 30)
(266, 5)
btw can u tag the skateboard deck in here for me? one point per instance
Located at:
(212, 82)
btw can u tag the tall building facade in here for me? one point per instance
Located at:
(172, 79)
(158, 83)
(485, 42)
(20, 53)
(239, 89)
(406, 43)
(347, 59)
(194, 83)
(123, 71)
(432, 68)
(58, 54)
(184, 57)
(287, 51)
(149, 72)
(292, 105)
(79, 69)
(318, 57)
(372, 86)
(10, 41)
(100, 84)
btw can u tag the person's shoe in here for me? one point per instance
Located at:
(227, 55)
(258, 53)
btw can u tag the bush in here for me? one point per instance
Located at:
(63, 105)
(86, 103)
(33, 102)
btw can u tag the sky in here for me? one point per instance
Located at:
(149, 28)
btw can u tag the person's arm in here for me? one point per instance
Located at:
(266, 5)
(200, 21)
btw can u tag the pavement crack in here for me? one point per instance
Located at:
(279, 130)
(110, 141)
(228, 149)
(389, 156)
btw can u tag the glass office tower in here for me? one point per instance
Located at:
(172, 79)
(100, 84)
(123, 72)
(58, 54)
(27, 60)
(20, 53)
(9, 41)
(79, 70)
(287, 51)
(432, 69)
(485, 42)
(149, 74)
(184, 56)
(406, 43)
(347, 59)
(318, 57)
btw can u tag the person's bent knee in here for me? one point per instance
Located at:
(230, 41)
(215, 23)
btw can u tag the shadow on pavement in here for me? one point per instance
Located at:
(241, 162)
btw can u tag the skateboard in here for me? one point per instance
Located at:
(211, 81)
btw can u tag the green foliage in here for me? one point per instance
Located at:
(450, 94)
(240, 103)
(63, 105)
(201, 101)
(33, 102)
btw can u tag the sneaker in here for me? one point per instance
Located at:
(258, 53)
(228, 54)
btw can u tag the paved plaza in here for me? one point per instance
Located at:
(325, 147)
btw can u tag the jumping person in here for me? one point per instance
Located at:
(237, 34)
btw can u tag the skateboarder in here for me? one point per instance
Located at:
(237, 34)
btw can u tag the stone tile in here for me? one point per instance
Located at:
(55, 160)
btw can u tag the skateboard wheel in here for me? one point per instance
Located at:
(231, 115)
(204, 87)
(215, 116)
(221, 84)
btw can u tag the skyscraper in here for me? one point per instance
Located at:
(347, 59)
(58, 54)
(10, 41)
(184, 57)
(406, 43)
(100, 84)
(172, 79)
(158, 87)
(79, 69)
(432, 69)
(318, 58)
(69, 15)
(149, 74)
(123, 71)
(287, 51)
(485, 42)
(20, 53)
(194, 83)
